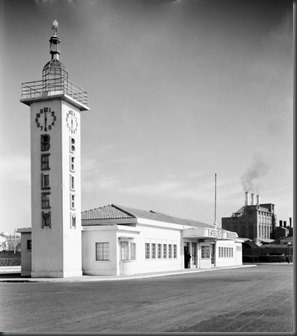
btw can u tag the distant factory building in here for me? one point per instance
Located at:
(254, 220)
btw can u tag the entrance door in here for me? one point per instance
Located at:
(194, 255)
(187, 255)
(212, 254)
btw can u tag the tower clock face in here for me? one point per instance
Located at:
(71, 121)
(45, 119)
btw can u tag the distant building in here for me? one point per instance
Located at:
(254, 220)
(10, 242)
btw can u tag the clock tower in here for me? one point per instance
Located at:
(55, 112)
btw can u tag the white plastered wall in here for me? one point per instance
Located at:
(26, 254)
(227, 260)
(91, 236)
(57, 250)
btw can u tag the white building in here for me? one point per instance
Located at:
(118, 240)
(111, 240)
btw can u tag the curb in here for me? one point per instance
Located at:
(90, 278)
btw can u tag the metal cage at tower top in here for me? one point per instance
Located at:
(53, 86)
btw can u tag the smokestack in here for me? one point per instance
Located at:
(246, 198)
(290, 220)
(285, 223)
(258, 200)
(280, 223)
(252, 199)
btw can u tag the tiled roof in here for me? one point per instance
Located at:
(122, 212)
(105, 212)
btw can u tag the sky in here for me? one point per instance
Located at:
(179, 90)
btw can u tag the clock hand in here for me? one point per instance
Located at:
(45, 119)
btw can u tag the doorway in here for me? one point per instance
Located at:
(187, 256)
(212, 254)
(194, 255)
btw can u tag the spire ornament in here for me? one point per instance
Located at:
(55, 27)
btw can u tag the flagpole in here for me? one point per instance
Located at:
(215, 207)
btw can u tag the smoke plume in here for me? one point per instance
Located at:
(251, 177)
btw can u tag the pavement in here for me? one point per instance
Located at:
(13, 274)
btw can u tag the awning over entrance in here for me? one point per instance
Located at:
(203, 233)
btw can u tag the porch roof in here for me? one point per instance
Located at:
(209, 233)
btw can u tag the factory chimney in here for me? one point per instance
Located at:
(290, 220)
(246, 198)
(285, 223)
(258, 200)
(280, 223)
(252, 199)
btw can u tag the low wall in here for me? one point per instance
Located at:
(9, 258)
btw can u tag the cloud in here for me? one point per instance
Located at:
(15, 167)
(174, 189)
(160, 188)
(93, 177)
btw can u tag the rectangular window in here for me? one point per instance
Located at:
(72, 201)
(72, 145)
(102, 251)
(128, 250)
(164, 251)
(72, 186)
(124, 251)
(153, 251)
(175, 251)
(45, 219)
(73, 220)
(45, 200)
(72, 163)
(45, 162)
(169, 251)
(45, 181)
(205, 252)
(29, 244)
(133, 251)
(147, 251)
(159, 251)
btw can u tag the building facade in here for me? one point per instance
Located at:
(112, 240)
(254, 220)
(119, 240)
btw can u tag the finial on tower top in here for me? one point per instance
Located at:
(55, 27)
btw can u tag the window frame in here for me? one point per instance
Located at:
(205, 252)
(147, 251)
(165, 251)
(153, 251)
(102, 251)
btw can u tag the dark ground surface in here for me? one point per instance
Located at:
(254, 299)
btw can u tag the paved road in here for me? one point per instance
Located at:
(256, 299)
